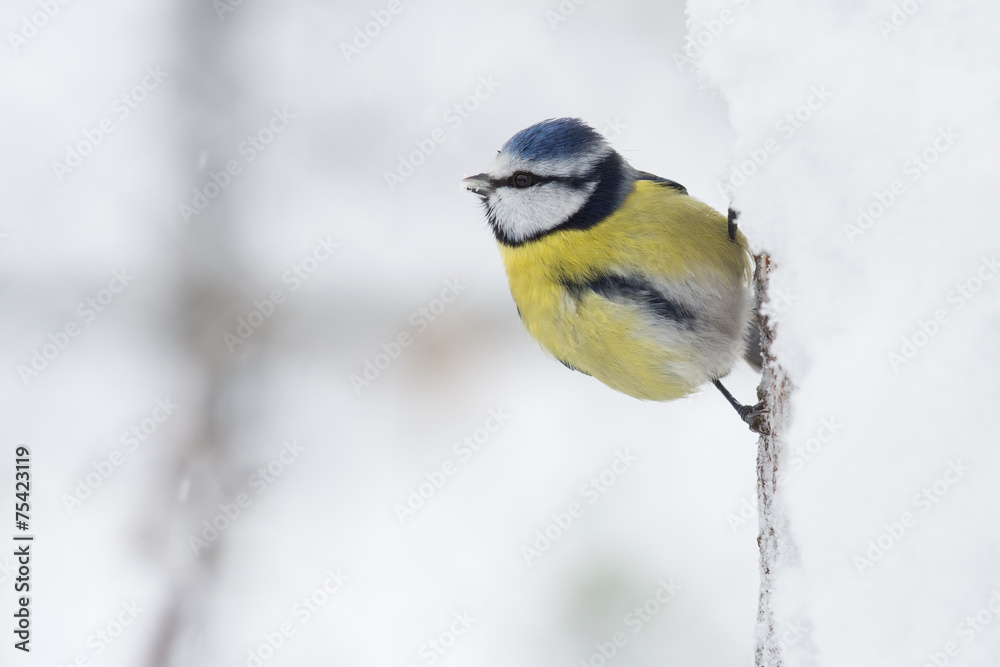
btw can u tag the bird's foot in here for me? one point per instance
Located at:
(756, 418)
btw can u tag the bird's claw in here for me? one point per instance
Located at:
(756, 418)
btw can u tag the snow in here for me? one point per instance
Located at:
(877, 213)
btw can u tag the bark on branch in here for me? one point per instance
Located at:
(776, 549)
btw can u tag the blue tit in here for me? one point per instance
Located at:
(616, 272)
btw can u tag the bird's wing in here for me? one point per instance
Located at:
(646, 176)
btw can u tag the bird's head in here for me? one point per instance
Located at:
(559, 173)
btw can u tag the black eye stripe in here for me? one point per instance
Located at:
(573, 181)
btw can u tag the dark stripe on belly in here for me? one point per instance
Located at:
(635, 290)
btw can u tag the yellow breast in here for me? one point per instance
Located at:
(661, 236)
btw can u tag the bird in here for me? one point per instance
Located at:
(618, 273)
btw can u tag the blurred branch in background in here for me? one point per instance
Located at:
(203, 477)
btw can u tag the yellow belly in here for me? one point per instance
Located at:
(662, 236)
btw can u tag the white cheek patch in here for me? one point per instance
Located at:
(522, 214)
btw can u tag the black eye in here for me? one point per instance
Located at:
(522, 179)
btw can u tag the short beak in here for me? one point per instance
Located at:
(480, 184)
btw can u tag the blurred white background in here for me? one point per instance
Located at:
(117, 114)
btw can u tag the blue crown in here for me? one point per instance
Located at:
(553, 139)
